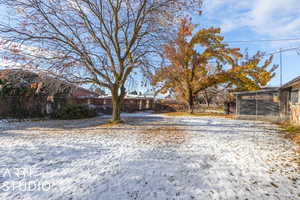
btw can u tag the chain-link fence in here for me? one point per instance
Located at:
(258, 103)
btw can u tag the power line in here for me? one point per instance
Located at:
(284, 50)
(280, 67)
(273, 40)
(280, 51)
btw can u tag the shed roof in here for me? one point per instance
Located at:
(291, 83)
(264, 90)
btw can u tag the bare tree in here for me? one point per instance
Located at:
(102, 42)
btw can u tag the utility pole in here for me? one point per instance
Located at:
(280, 51)
(280, 67)
(256, 106)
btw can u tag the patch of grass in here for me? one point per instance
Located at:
(204, 114)
(163, 135)
(291, 131)
(110, 124)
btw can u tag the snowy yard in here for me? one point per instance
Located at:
(151, 157)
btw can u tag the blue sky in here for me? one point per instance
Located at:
(258, 20)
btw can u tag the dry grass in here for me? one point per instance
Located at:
(155, 135)
(174, 114)
(108, 124)
(163, 135)
(292, 133)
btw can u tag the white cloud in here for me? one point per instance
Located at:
(274, 18)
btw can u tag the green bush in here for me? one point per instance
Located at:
(75, 111)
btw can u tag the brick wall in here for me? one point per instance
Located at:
(128, 105)
(23, 107)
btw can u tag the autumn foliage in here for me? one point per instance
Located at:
(201, 60)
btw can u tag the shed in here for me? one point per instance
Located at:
(264, 102)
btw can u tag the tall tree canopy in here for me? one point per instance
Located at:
(198, 61)
(89, 41)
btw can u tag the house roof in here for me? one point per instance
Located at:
(291, 83)
(83, 92)
(29, 77)
(133, 97)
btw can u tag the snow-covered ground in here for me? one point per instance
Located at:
(3, 123)
(151, 157)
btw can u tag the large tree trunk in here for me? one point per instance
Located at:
(191, 102)
(116, 106)
(191, 106)
(207, 99)
(207, 102)
(117, 99)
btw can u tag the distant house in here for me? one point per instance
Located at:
(45, 85)
(80, 92)
(44, 94)
(131, 103)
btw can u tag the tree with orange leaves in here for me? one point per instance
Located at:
(190, 69)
